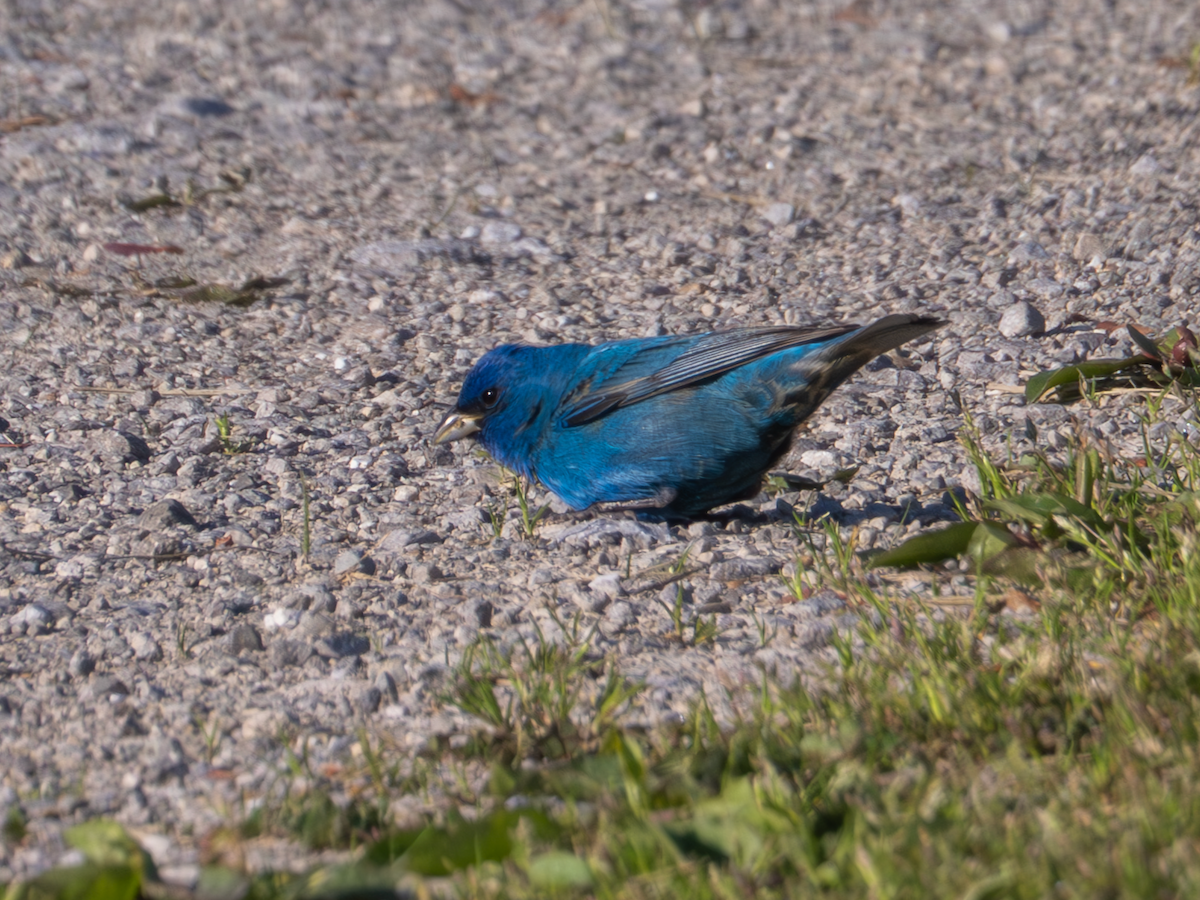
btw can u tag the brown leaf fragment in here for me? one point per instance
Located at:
(8, 126)
(121, 249)
(208, 293)
(857, 13)
(175, 283)
(63, 289)
(236, 178)
(1184, 351)
(460, 94)
(553, 18)
(1017, 601)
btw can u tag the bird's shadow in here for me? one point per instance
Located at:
(822, 507)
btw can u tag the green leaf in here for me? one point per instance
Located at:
(1024, 565)
(788, 481)
(348, 880)
(392, 847)
(731, 827)
(1039, 509)
(989, 540)
(1039, 385)
(930, 547)
(993, 887)
(1021, 509)
(221, 883)
(559, 869)
(440, 851)
(106, 843)
(86, 882)
(588, 779)
(1147, 343)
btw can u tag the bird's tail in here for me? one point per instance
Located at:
(832, 364)
(860, 347)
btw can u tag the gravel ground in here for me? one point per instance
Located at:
(427, 181)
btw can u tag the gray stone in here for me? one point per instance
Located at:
(119, 446)
(1088, 247)
(104, 686)
(145, 648)
(367, 700)
(287, 652)
(1021, 319)
(499, 233)
(1046, 288)
(779, 214)
(316, 598)
(605, 530)
(341, 645)
(478, 613)
(1027, 252)
(745, 569)
(424, 573)
(395, 541)
(1147, 164)
(607, 585)
(241, 637)
(353, 561)
(166, 514)
(619, 616)
(33, 619)
(386, 685)
(81, 664)
(469, 519)
(397, 257)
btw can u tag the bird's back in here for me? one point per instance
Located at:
(703, 433)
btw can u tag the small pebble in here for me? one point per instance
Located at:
(242, 637)
(779, 214)
(607, 585)
(145, 648)
(166, 514)
(81, 665)
(619, 616)
(1088, 247)
(424, 573)
(353, 561)
(499, 233)
(1020, 320)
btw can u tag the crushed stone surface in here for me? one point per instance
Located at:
(413, 184)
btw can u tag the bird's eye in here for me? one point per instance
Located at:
(490, 397)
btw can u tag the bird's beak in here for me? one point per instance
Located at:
(455, 426)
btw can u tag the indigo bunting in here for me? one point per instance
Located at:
(678, 424)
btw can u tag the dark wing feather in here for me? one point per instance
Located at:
(712, 355)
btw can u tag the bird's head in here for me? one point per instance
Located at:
(506, 395)
(480, 396)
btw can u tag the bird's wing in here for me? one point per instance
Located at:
(711, 355)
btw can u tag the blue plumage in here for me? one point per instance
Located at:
(681, 424)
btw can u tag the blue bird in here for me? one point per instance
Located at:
(677, 424)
